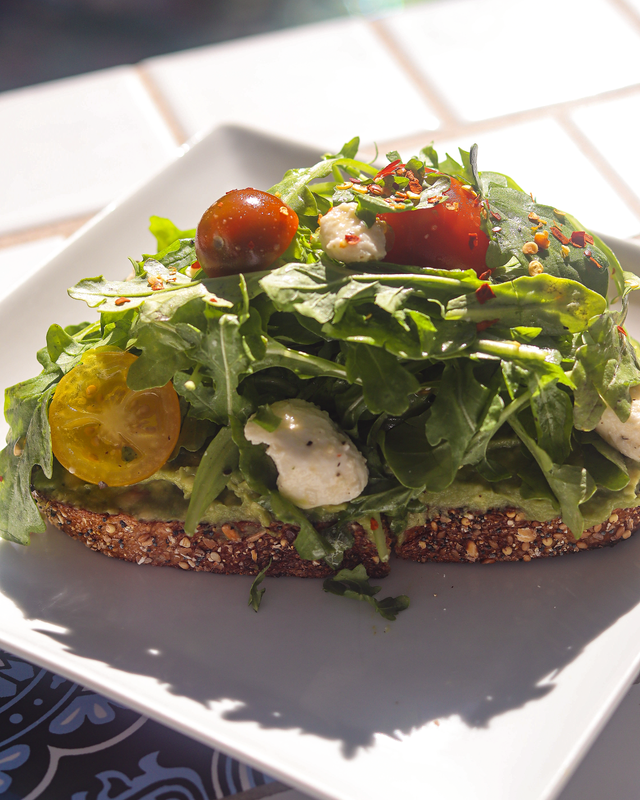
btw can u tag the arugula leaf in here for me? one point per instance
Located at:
(354, 583)
(98, 292)
(553, 414)
(260, 473)
(220, 459)
(460, 407)
(255, 594)
(29, 445)
(557, 305)
(265, 418)
(516, 212)
(606, 465)
(385, 382)
(223, 355)
(166, 232)
(293, 189)
(606, 364)
(572, 485)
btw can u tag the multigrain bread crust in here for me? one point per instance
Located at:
(241, 548)
(244, 548)
(507, 535)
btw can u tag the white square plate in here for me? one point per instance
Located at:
(492, 685)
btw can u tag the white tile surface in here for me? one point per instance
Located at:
(544, 160)
(490, 57)
(613, 128)
(319, 83)
(19, 263)
(69, 147)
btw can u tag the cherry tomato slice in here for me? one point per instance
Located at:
(446, 236)
(102, 431)
(244, 231)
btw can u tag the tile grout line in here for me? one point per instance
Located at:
(599, 160)
(627, 11)
(65, 228)
(528, 115)
(439, 105)
(158, 99)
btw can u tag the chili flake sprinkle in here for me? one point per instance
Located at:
(578, 238)
(122, 300)
(486, 323)
(484, 293)
(621, 330)
(374, 524)
(559, 235)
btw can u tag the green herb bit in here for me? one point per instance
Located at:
(255, 594)
(267, 419)
(354, 583)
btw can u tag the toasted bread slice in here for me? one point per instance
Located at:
(239, 548)
(506, 535)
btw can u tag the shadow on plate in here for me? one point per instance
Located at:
(477, 641)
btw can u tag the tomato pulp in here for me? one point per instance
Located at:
(104, 432)
(448, 235)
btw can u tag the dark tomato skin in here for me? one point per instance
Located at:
(246, 230)
(446, 236)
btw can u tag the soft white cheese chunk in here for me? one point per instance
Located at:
(624, 436)
(346, 238)
(318, 465)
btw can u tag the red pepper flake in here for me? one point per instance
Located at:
(555, 231)
(122, 300)
(473, 240)
(621, 330)
(588, 238)
(485, 275)
(484, 293)
(352, 238)
(587, 253)
(494, 214)
(1, 478)
(212, 299)
(374, 524)
(196, 265)
(486, 323)
(389, 169)
(374, 189)
(578, 238)
(597, 263)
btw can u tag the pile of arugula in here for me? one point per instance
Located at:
(421, 367)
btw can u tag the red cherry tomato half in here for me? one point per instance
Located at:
(246, 230)
(446, 236)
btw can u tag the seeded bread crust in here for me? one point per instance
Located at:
(241, 548)
(507, 535)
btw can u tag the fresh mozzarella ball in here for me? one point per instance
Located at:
(346, 238)
(318, 465)
(624, 436)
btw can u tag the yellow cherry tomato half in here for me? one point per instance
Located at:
(102, 431)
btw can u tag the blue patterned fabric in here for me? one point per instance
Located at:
(60, 740)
